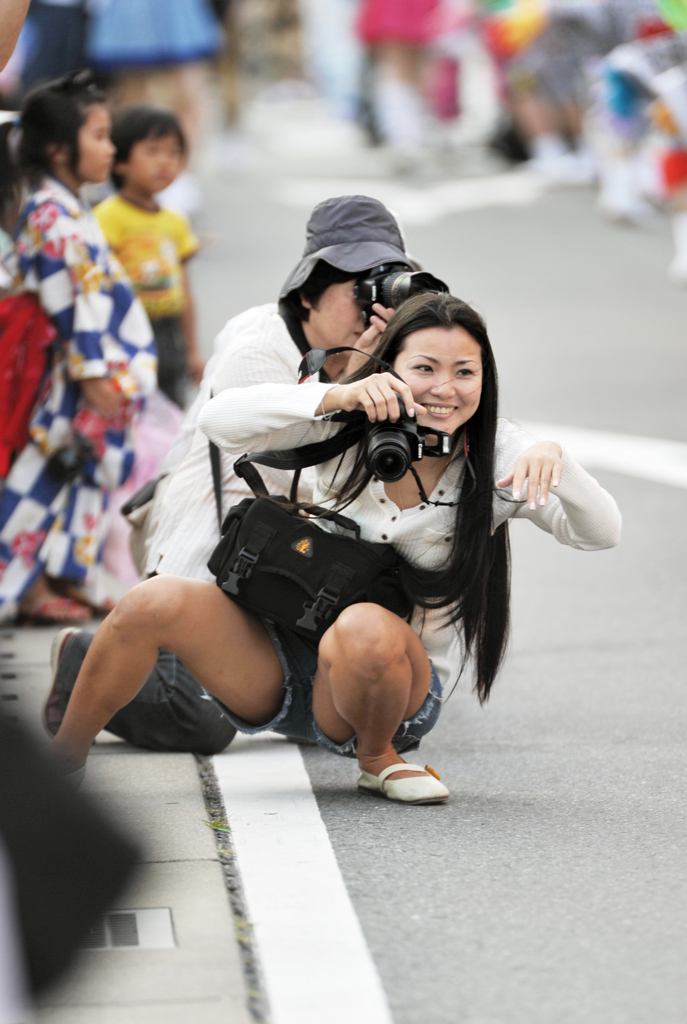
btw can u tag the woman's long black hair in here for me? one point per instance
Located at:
(51, 115)
(474, 582)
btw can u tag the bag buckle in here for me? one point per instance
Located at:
(317, 609)
(242, 570)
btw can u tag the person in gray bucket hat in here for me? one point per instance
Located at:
(345, 237)
(351, 233)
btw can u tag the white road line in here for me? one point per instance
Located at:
(648, 458)
(418, 205)
(315, 960)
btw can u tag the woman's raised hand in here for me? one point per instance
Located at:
(374, 395)
(541, 466)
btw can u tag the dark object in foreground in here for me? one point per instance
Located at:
(68, 861)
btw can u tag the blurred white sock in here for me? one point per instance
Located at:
(620, 197)
(399, 112)
(548, 146)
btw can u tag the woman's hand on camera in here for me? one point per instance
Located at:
(103, 395)
(541, 466)
(374, 395)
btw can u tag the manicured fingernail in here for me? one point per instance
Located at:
(411, 412)
(516, 495)
(542, 501)
(533, 505)
(556, 483)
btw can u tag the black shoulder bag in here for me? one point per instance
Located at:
(275, 559)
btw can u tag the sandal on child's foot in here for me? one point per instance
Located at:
(415, 789)
(54, 611)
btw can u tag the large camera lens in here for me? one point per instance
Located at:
(396, 288)
(388, 453)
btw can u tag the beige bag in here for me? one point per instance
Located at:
(144, 521)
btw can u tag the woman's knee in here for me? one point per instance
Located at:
(152, 605)
(367, 638)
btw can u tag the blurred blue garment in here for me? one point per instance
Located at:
(147, 33)
(55, 37)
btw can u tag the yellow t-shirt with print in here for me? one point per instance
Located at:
(151, 246)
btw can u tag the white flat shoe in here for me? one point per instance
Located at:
(418, 789)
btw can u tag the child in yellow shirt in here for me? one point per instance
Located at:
(152, 243)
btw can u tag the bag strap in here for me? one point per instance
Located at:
(308, 454)
(215, 462)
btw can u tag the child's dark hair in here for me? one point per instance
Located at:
(142, 122)
(51, 115)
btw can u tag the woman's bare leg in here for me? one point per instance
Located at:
(373, 673)
(226, 648)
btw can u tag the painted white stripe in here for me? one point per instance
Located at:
(648, 458)
(315, 960)
(418, 204)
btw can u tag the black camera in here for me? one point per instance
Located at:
(391, 447)
(391, 284)
(67, 463)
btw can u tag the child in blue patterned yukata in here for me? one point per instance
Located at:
(102, 361)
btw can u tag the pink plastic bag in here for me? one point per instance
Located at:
(155, 434)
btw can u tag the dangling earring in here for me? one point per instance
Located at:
(466, 446)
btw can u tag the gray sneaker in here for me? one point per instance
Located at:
(52, 714)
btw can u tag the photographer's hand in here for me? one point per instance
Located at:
(366, 343)
(374, 395)
(541, 465)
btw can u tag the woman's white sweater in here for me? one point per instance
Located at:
(580, 513)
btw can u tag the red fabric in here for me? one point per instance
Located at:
(25, 333)
(674, 169)
(397, 21)
(443, 87)
(650, 27)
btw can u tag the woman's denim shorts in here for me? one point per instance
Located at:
(298, 658)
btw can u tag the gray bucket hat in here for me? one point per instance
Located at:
(352, 233)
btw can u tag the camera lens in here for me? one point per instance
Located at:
(396, 288)
(388, 454)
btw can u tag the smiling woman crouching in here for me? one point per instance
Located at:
(375, 683)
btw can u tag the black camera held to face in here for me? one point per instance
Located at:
(67, 463)
(391, 447)
(391, 284)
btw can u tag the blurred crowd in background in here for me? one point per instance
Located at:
(583, 91)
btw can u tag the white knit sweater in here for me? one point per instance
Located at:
(253, 347)
(580, 513)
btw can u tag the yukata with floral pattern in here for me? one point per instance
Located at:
(102, 332)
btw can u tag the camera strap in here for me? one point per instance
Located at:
(314, 361)
(288, 459)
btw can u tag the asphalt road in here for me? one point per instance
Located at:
(552, 888)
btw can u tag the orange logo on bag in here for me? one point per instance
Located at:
(303, 547)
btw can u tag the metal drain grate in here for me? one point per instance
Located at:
(150, 928)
